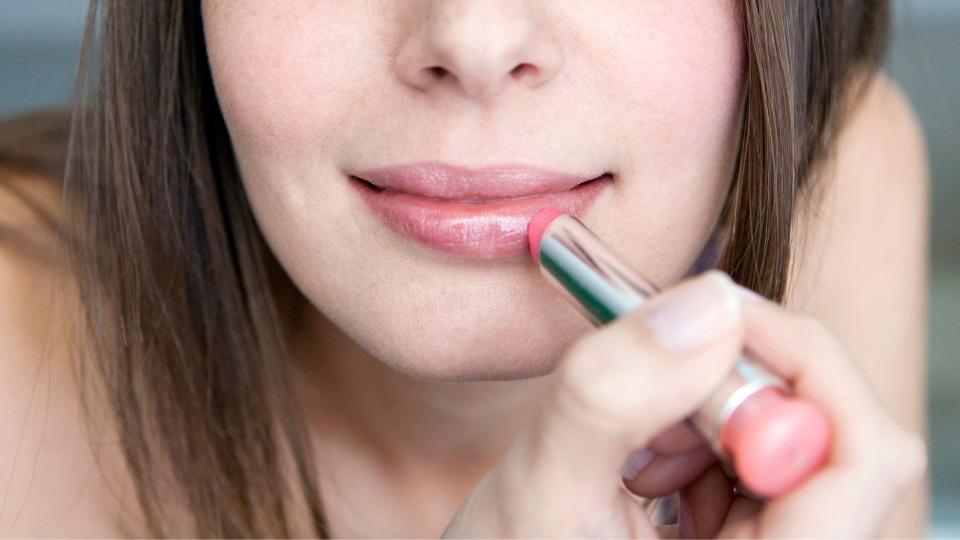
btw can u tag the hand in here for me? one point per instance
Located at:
(629, 385)
(874, 460)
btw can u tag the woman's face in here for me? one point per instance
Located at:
(315, 93)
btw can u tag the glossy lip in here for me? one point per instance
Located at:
(479, 213)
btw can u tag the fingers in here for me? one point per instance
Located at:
(809, 355)
(676, 456)
(742, 519)
(668, 473)
(872, 459)
(616, 390)
(679, 438)
(704, 504)
(631, 380)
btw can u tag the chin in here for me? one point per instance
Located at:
(455, 366)
(500, 344)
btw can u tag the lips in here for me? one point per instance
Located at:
(480, 213)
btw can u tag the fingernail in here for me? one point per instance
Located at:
(636, 462)
(696, 313)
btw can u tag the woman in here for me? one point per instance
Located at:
(267, 348)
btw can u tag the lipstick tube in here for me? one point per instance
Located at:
(766, 439)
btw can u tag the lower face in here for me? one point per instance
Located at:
(313, 95)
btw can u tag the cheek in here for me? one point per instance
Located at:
(676, 100)
(287, 91)
(673, 69)
(282, 84)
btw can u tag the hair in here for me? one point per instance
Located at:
(181, 295)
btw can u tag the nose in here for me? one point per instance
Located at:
(476, 47)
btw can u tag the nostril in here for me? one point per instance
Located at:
(437, 71)
(524, 70)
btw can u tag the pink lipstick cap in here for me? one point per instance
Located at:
(775, 441)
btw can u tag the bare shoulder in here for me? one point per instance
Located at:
(860, 259)
(882, 142)
(31, 264)
(53, 486)
(866, 230)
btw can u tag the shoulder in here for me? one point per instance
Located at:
(860, 252)
(30, 252)
(31, 263)
(31, 148)
(860, 260)
(31, 163)
(42, 418)
(867, 222)
(883, 138)
(75, 490)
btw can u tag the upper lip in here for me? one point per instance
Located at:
(444, 181)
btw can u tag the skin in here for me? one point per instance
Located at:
(306, 107)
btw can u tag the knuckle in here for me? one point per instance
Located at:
(910, 455)
(582, 401)
(582, 356)
(817, 334)
(574, 382)
(691, 389)
(900, 455)
(599, 353)
(603, 374)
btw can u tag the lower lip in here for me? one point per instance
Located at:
(485, 230)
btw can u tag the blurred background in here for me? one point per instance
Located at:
(39, 45)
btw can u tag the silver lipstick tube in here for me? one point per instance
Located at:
(602, 288)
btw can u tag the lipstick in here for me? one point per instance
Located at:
(763, 436)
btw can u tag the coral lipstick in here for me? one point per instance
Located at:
(767, 438)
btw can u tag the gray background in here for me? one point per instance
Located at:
(39, 43)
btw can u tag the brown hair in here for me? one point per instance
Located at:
(181, 293)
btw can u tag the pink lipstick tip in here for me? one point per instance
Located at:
(535, 229)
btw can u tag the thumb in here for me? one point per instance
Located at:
(618, 387)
